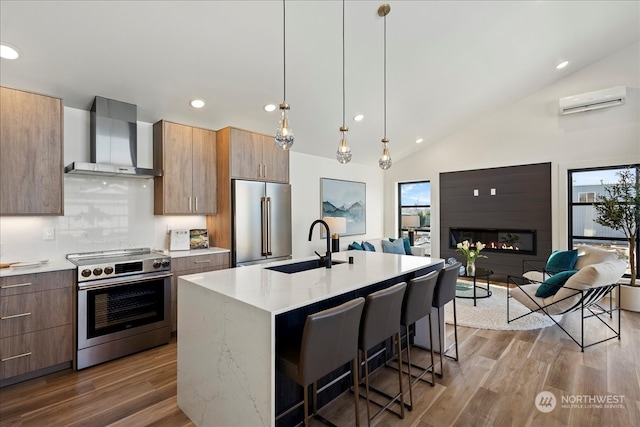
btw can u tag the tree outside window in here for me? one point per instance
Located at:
(583, 227)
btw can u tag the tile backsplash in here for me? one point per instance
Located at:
(99, 214)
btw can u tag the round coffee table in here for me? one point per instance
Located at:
(481, 273)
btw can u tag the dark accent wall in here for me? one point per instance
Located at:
(522, 201)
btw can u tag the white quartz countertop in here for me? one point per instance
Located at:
(277, 292)
(195, 252)
(41, 266)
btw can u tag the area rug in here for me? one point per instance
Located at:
(491, 313)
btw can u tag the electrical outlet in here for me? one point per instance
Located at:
(49, 234)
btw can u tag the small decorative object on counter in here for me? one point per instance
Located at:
(471, 255)
(199, 238)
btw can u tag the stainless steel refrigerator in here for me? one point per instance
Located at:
(261, 222)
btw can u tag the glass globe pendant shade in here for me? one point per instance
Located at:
(344, 152)
(385, 159)
(284, 134)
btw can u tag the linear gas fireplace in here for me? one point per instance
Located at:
(522, 242)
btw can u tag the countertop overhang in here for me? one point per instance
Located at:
(277, 292)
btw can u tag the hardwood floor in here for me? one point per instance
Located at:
(495, 383)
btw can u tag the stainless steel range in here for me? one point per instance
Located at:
(124, 303)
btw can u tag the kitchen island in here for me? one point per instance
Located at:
(229, 322)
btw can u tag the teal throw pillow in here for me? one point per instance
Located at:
(368, 246)
(407, 246)
(355, 245)
(550, 286)
(561, 261)
(396, 247)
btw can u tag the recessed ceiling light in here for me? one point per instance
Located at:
(8, 52)
(561, 65)
(197, 103)
(358, 117)
(419, 140)
(269, 108)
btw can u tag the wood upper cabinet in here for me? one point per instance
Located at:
(31, 153)
(254, 156)
(187, 157)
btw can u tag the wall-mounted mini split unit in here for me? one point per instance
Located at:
(592, 100)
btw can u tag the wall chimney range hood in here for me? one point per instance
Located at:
(113, 142)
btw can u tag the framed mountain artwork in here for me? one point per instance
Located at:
(340, 198)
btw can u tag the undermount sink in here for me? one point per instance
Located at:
(297, 267)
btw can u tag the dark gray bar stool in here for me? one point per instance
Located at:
(380, 321)
(417, 303)
(329, 340)
(446, 291)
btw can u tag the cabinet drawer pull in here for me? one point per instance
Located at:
(202, 261)
(265, 171)
(196, 200)
(17, 356)
(16, 285)
(189, 203)
(13, 316)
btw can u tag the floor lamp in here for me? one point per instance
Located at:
(337, 225)
(410, 222)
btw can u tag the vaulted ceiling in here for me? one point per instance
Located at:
(448, 62)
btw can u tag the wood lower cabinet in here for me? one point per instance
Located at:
(192, 265)
(187, 157)
(36, 323)
(31, 153)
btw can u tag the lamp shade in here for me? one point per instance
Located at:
(337, 224)
(410, 221)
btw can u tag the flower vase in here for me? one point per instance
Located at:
(471, 267)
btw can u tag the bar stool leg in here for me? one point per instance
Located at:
(400, 373)
(433, 366)
(408, 371)
(440, 343)
(306, 406)
(366, 386)
(455, 327)
(356, 387)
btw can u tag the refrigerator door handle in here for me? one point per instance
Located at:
(263, 224)
(269, 252)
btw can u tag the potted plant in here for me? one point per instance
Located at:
(619, 209)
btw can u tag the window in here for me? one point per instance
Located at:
(587, 197)
(415, 200)
(584, 186)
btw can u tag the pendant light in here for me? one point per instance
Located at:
(385, 159)
(284, 134)
(344, 152)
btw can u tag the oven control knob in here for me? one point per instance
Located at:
(156, 263)
(166, 263)
(86, 272)
(108, 270)
(97, 271)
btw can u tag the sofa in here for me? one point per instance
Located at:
(422, 250)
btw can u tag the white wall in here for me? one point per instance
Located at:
(304, 175)
(531, 131)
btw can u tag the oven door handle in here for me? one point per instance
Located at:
(124, 281)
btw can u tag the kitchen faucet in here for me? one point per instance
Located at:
(327, 258)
